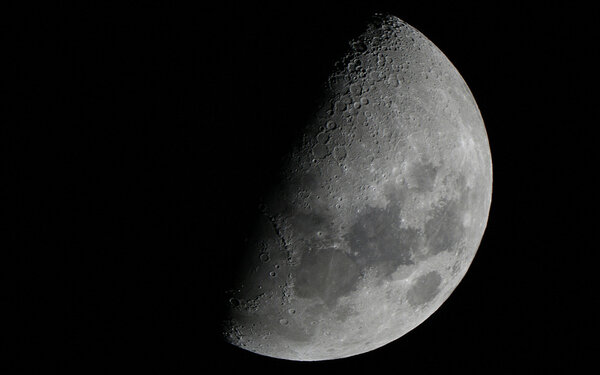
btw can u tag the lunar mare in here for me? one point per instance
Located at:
(382, 208)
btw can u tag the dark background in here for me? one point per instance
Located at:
(138, 139)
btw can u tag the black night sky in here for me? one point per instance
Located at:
(142, 136)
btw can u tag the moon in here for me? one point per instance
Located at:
(380, 211)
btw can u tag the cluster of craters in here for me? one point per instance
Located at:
(382, 209)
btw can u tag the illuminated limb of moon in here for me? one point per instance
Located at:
(383, 207)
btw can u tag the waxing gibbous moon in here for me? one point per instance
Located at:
(381, 209)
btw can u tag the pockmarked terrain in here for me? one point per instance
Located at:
(382, 208)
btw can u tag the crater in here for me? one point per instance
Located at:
(424, 289)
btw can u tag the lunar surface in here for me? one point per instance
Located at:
(383, 205)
